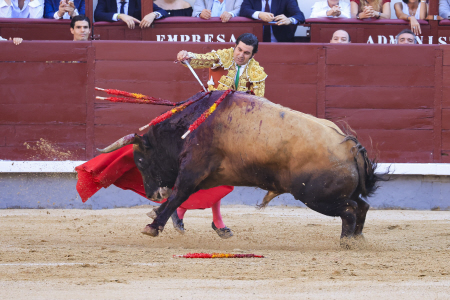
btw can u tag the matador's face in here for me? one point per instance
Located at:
(242, 53)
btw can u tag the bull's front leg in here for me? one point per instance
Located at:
(173, 202)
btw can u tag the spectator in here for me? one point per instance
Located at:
(444, 9)
(281, 12)
(33, 9)
(64, 9)
(15, 40)
(225, 9)
(177, 8)
(340, 37)
(330, 8)
(406, 36)
(128, 11)
(412, 10)
(364, 9)
(80, 27)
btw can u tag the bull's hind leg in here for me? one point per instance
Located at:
(348, 216)
(361, 213)
(353, 217)
(267, 198)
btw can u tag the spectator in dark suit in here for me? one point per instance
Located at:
(283, 12)
(128, 11)
(64, 9)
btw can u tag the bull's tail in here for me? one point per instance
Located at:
(366, 168)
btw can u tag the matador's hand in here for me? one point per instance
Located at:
(183, 55)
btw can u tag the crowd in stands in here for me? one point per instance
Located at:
(405, 36)
(274, 12)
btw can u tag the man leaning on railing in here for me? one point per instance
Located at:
(33, 9)
(63, 9)
(331, 9)
(225, 9)
(444, 9)
(280, 13)
(15, 40)
(129, 11)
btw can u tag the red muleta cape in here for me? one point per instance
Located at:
(118, 168)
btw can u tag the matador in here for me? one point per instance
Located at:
(243, 72)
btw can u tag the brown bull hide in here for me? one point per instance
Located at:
(250, 141)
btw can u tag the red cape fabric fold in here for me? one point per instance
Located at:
(118, 168)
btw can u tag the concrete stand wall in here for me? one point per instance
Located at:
(57, 190)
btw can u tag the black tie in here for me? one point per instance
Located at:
(266, 29)
(122, 7)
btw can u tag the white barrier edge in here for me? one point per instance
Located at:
(39, 166)
(69, 167)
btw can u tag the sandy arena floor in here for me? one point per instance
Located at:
(101, 254)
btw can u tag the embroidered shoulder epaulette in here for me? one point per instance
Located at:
(255, 71)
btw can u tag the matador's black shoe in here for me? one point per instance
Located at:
(224, 233)
(177, 222)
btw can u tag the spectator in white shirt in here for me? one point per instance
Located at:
(15, 40)
(33, 9)
(444, 9)
(411, 11)
(340, 37)
(331, 9)
(225, 9)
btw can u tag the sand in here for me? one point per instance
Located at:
(101, 254)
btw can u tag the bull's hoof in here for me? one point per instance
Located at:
(152, 214)
(177, 222)
(355, 242)
(224, 233)
(148, 230)
(347, 243)
(261, 206)
(360, 238)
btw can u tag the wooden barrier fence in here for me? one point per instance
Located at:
(396, 98)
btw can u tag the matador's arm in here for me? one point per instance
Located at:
(202, 61)
(259, 88)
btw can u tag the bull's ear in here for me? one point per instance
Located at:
(142, 142)
(146, 143)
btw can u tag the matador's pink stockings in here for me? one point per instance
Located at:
(217, 217)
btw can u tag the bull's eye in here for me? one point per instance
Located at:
(140, 159)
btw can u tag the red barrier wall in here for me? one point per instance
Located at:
(396, 96)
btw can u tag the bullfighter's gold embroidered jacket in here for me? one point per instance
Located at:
(252, 78)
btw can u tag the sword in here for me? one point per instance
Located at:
(195, 75)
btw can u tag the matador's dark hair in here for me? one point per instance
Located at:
(250, 40)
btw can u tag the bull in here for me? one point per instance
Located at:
(250, 141)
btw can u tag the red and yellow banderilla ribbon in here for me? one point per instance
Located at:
(138, 98)
(206, 114)
(218, 255)
(171, 112)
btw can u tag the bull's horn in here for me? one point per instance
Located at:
(126, 140)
